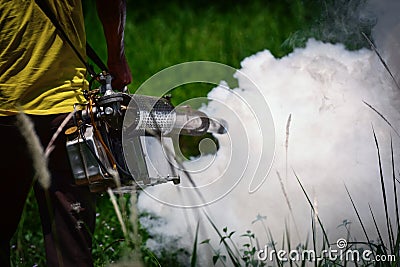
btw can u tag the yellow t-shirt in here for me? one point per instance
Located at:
(39, 72)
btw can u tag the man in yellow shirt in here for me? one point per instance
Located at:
(42, 75)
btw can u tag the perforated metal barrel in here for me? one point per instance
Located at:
(153, 114)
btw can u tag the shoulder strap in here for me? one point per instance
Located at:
(89, 50)
(95, 58)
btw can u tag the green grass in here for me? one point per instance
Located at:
(160, 34)
(385, 249)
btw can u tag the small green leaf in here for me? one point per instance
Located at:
(231, 233)
(215, 259)
(207, 241)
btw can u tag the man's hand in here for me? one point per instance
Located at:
(120, 72)
(112, 15)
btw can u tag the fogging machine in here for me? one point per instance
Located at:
(124, 141)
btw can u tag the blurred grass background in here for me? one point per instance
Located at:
(163, 33)
(160, 33)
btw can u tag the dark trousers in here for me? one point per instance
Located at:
(67, 211)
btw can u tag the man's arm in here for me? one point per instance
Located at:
(112, 15)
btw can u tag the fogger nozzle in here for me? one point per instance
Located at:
(151, 114)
